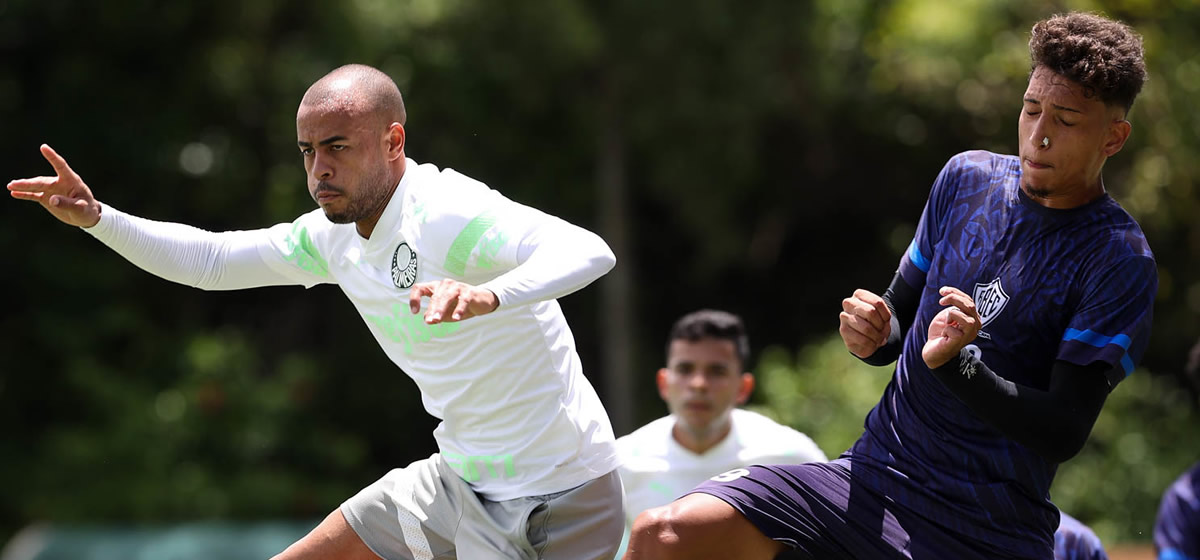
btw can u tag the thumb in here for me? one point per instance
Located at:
(67, 203)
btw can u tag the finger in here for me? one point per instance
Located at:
(961, 320)
(56, 161)
(416, 293)
(461, 310)
(961, 301)
(60, 201)
(32, 184)
(865, 310)
(23, 195)
(867, 296)
(863, 327)
(883, 310)
(444, 298)
(856, 343)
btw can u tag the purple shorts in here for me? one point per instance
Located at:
(822, 511)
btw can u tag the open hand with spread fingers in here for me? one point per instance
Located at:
(866, 323)
(65, 195)
(451, 301)
(952, 329)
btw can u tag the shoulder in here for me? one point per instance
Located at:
(446, 191)
(979, 166)
(770, 437)
(749, 420)
(1120, 231)
(650, 439)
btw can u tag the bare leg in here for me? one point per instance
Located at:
(333, 538)
(698, 526)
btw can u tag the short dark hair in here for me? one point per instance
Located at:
(710, 323)
(1103, 55)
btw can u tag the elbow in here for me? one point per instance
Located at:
(606, 260)
(1064, 447)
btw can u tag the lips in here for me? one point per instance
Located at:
(327, 195)
(1035, 165)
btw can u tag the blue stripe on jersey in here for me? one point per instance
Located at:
(1172, 554)
(1092, 338)
(914, 255)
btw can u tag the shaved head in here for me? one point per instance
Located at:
(358, 90)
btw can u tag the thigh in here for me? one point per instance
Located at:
(583, 523)
(816, 509)
(410, 513)
(333, 538)
(698, 526)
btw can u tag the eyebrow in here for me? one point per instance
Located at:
(324, 142)
(1055, 105)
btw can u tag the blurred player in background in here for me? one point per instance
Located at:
(705, 434)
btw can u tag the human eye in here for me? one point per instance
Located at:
(306, 151)
(337, 147)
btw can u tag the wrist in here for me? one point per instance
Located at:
(963, 364)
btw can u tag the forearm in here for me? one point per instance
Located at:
(1053, 423)
(184, 254)
(556, 259)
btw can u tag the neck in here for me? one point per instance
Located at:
(366, 226)
(1069, 197)
(700, 440)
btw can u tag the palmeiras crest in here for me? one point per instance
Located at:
(990, 300)
(404, 266)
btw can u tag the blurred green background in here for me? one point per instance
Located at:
(763, 157)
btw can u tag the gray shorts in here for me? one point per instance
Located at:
(426, 511)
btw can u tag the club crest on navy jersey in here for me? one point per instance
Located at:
(404, 266)
(990, 300)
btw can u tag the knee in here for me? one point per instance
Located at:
(655, 533)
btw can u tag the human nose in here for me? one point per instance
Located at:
(321, 169)
(1039, 134)
(698, 381)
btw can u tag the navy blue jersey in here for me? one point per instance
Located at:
(1074, 285)
(1177, 529)
(1075, 541)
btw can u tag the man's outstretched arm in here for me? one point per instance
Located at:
(176, 252)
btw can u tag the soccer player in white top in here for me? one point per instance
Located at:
(706, 434)
(527, 463)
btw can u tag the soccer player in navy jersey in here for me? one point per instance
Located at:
(1028, 291)
(1177, 527)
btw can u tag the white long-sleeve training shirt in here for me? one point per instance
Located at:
(518, 416)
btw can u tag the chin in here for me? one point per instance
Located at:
(337, 217)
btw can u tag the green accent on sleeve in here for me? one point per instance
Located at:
(460, 250)
(302, 251)
(488, 249)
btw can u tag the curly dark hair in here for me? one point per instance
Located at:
(1102, 55)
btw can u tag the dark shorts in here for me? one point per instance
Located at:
(820, 511)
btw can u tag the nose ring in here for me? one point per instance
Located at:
(1045, 141)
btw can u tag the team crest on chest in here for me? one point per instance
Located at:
(404, 266)
(990, 300)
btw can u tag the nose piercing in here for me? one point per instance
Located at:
(1045, 141)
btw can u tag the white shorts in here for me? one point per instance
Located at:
(426, 511)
